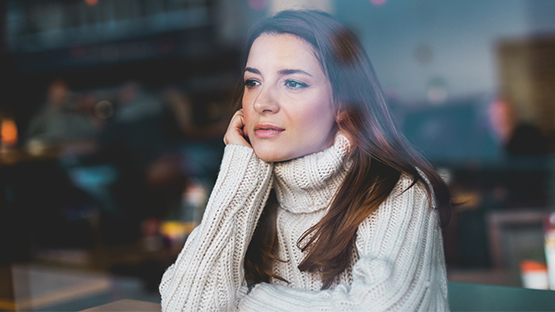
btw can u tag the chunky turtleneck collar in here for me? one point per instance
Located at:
(308, 184)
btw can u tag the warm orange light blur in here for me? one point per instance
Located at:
(8, 132)
(91, 2)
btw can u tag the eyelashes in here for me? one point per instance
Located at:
(294, 84)
(251, 83)
(289, 83)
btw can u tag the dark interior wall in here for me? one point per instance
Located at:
(156, 59)
(4, 62)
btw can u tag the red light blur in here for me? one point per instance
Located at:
(378, 2)
(91, 2)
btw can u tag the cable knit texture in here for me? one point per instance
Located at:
(397, 265)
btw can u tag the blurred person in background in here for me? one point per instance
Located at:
(59, 121)
(518, 138)
(58, 134)
(140, 142)
(320, 204)
(196, 142)
(523, 182)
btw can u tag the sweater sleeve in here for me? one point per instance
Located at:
(208, 273)
(401, 265)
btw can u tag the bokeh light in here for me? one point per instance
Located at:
(104, 109)
(437, 91)
(91, 2)
(378, 2)
(9, 132)
(257, 4)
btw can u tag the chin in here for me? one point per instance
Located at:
(271, 155)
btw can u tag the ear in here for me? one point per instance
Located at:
(341, 116)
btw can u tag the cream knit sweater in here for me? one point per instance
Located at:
(397, 265)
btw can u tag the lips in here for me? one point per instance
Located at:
(266, 130)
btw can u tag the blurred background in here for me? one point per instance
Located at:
(112, 114)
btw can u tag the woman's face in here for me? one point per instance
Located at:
(287, 104)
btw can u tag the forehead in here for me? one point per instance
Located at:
(282, 50)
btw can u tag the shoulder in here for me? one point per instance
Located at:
(407, 200)
(406, 213)
(407, 189)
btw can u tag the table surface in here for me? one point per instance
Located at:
(462, 297)
(477, 297)
(127, 305)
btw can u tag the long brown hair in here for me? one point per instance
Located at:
(379, 154)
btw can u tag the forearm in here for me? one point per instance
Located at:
(209, 270)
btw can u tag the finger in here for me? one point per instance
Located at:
(235, 132)
(239, 115)
(236, 122)
(241, 125)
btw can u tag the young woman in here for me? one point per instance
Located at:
(320, 205)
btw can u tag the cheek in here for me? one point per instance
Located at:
(246, 112)
(319, 116)
(248, 117)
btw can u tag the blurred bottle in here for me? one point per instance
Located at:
(181, 223)
(533, 275)
(193, 202)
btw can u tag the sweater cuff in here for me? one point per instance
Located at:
(271, 297)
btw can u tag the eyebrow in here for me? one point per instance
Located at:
(252, 70)
(293, 71)
(281, 72)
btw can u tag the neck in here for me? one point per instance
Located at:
(309, 183)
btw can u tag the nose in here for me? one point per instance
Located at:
(266, 101)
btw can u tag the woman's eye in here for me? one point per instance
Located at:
(251, 83)
(293, 84)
